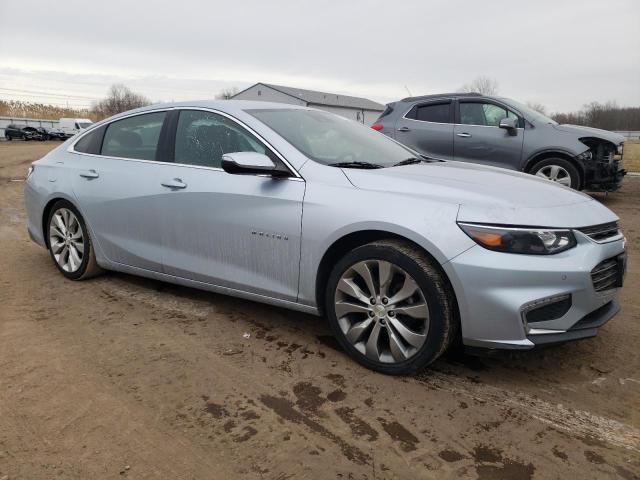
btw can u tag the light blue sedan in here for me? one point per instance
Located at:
(306, 210)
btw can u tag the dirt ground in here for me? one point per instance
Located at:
(122, 377)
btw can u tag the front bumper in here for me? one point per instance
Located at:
(494, 290)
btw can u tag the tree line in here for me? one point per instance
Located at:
(120, 98)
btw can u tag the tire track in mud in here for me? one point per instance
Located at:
(578, 423)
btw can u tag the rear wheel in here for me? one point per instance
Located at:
(390, 307)
(558, 170)
(69, 243)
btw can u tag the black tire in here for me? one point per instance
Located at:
(24, 137)
(443, 321)
(564, 164)
(8, 137)
(88, 267)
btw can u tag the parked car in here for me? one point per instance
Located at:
(52, 133)
(72, 126)
(20, 130)
(504, 133)
(309, 211)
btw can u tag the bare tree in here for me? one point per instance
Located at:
(481, 84)
(227, 93)
(119, 99)
(538, 107)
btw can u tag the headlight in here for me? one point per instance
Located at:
(531, 241)
(30, 171)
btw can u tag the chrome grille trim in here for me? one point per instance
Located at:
(604, 276)
(602, 233)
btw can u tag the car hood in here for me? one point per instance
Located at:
(591, 132)
(487, 194)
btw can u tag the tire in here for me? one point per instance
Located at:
(8, 137)
(558, 170)
(436, 333)
(87, 267)
(24, 137)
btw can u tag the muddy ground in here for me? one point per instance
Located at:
(122, 377)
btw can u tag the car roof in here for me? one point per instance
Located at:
(444, 95)
(228, 106)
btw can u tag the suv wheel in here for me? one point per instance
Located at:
(390, 307)
(69, 244)
(558, 170)
(8, 137)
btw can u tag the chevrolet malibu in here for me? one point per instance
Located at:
(306, 210)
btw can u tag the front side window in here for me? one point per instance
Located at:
(486, 114)
(134, 137)
(432, 112)
(203, 137)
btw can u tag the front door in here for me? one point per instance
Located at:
(237, 231)
(479, 139)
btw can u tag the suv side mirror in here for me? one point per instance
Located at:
(510, 124)
(247, 163)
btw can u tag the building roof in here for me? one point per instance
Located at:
(324, 98)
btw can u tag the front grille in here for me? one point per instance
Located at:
(606, 275)
(601, 233)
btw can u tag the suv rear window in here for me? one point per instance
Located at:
(431, 112)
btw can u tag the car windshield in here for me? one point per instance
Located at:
(529, 112)
(333, 140)
(85, 124)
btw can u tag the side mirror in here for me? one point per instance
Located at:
(510, 124)
(245, 163)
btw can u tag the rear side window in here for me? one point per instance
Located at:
(134, 137)
(486, 114)
(91, 142)
(203, 137)
(432, 112)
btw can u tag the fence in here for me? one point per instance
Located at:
(630, 134)
(32, 122)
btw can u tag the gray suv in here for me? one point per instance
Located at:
(500, 132)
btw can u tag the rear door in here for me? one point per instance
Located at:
(479, 139)
(428, 128)
(241, 232)
(115, 179)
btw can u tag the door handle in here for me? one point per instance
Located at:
(176, 183)
(464, 135)
(89, 174)
(404, 129)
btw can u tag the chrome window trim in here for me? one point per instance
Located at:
(71, 148)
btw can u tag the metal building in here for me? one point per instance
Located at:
(355, 108)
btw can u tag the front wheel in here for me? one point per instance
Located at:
(69, 243)
(390, 307)
(558, 170)
(8, 137)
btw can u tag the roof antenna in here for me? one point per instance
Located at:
(407, 89)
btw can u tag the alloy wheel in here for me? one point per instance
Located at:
(381, 311)
(555, 173)
(66, 240)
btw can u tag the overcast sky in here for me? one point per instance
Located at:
(562, 54)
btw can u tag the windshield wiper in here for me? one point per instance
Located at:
(355, 165)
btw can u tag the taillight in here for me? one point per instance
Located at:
(377, 126)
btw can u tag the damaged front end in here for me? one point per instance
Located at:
(602, 164)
